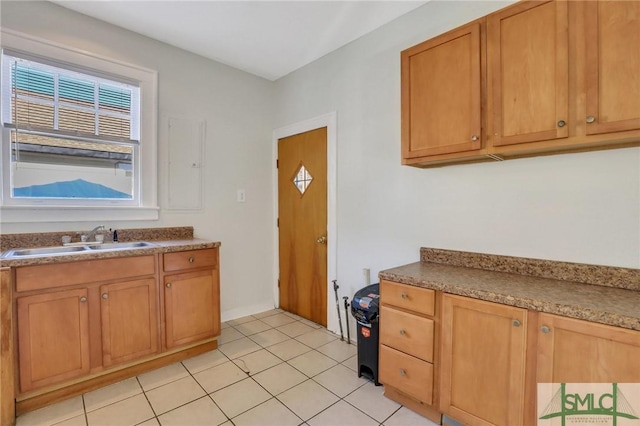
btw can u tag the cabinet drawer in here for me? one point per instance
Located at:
(407, 373)
(407, 333)
(420, 300)
(83, 272)
(191, 259)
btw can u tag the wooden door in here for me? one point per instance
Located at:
(483, 348)
(53, 336)
(441, 95)
(575, 351)
(612, 38)
(191, 306)
(302, 211)
(528, 73)
(129, 317)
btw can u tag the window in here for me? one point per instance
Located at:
(72, 135)
(77, 131)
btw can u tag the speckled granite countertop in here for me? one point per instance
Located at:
(164, 240)
(592, 302)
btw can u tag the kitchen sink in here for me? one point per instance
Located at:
(43, 251)
(120, 246)
(73, 249)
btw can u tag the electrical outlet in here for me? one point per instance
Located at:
(241, 196)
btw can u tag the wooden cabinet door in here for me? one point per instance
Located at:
(575, 351)
(483, 349)
(441, 98)
(528, 73)
(192, 307)
(612, 38)
(53, 336)
(129, 316)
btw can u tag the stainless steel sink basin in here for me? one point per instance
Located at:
(43, 251)
(120, 246)
(75, 249)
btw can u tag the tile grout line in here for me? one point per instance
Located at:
(248, 374)
(309, 377)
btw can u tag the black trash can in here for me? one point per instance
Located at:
(365, 308)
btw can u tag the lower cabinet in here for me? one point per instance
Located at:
(73, 325)
(576, 351)
(483, 353)
(406, 361)
(191, 296)
(190, 306)
(129, 318)
(53, 337)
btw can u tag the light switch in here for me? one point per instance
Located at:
(241, 195)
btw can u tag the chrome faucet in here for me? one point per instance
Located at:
(92, 233)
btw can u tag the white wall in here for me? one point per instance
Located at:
(238, 110)
(573, 207)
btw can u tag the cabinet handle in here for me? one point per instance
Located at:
(545, 329)
(105, 296)
(83, 299)
(405, 296)
(590, 119)
(474, 138)
(402, 332)
(516, 323)
(168, 285)
(561, 123)
(192, 259)
(402, 372)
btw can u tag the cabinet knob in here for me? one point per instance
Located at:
(105, 295)
(474, 138)
(561, 123)
(192, 259)
(545, 329)
(405, 296)
(402, 332)
(516, 323)
(590, 119)
(402, 372)
(168, 285)
(83, 299)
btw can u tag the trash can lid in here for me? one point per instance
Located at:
(365, 305)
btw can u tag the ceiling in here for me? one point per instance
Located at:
(266, 38)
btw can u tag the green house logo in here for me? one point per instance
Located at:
(586, 406)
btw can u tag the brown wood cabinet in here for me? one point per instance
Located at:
(7, 364)
(576, 351)
(53, 337)
(192, 297)
(82, 317)
(554, 76)
(612, 37)
(129, 318)
(483, 354)
(528, 73)
(441, 96)
(85, 324)
(407, 341)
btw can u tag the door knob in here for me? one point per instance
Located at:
(322, 240)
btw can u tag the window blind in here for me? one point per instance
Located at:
(48, 100)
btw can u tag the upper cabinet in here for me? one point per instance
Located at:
(527, 47)
(612, 41)
(441, 96)
(545, 77)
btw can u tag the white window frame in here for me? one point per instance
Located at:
(146, 207)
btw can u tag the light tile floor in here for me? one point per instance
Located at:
(272, 368)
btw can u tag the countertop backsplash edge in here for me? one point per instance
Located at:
(608, 276)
